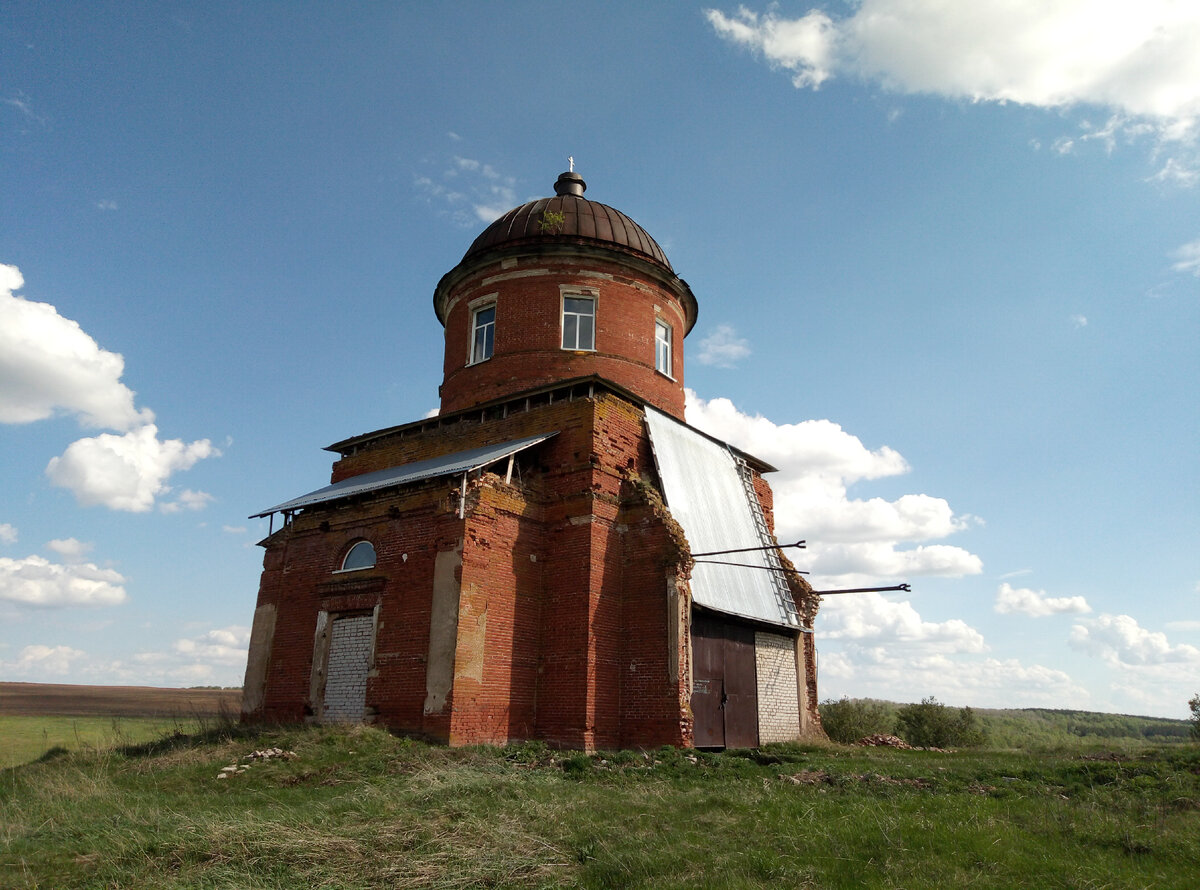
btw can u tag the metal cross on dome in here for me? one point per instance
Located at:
(570, 164)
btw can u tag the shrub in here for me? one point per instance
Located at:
(933, 725)
(849, 720)
(1194, 704)
(970, 731)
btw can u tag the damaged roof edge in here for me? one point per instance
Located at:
(345, 445)
(416, 471)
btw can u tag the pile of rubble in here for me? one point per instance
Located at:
(884, 741)
(266, 754)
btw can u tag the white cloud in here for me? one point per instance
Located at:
(1187, 258)
(817, 447)
(234, 529)
(723, 348)
(869, 619)
(872, 646)
(1121, 642)
(226, 645)
(1079, 321)
(36, 581)
(957, 680)
(187, 500)
(21, 102)
(106, 205)
(1017, 573)
(1188, 624)
(849, 540)
(1139, 58)
(8, 533)
(805, 46)
(41, 661)
(125, 472)
(1176, 171)
(856, 565)
(48, 364)
(473, 191)
(1035, 603)
(70, 549)
(215, 657)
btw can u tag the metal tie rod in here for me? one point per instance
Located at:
(906, 588)
(799, 544)
(746, 565)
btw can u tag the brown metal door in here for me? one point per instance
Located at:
(741, 688)
(724, 684)
(708, 683)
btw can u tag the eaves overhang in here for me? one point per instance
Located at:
(586, 384)
(404, 474)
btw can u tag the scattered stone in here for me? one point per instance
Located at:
(880, 740)
(808, 777)
(252, 757)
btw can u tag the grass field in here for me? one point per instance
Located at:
(39, 717)
(359, 808)
(23, 739)
(111, 797)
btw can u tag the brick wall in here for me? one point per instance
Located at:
(571, 586)
(527, 293)
(351, 643)
(778, 703)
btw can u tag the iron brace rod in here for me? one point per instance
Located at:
(746, 565)
(799, 544)
(906, 588)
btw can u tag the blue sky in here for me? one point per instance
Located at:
(947, 259)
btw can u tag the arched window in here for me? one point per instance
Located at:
(360, 556)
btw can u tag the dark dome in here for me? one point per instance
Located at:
(582, 222)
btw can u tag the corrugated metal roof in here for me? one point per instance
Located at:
(707, 497)
(447, 465)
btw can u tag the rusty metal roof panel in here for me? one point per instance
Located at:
(417, 471)
(586, 220)
(583, 220)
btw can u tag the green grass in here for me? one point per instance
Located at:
(23, 739)
(358, 808)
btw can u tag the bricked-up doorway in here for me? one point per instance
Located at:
(724, 684)
(351, 640)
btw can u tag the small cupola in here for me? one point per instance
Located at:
(570, 183)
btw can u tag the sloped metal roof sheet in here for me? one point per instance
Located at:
(446, 465)
(705, 494)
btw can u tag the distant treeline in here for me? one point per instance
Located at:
(1014, 726)
(850, 719)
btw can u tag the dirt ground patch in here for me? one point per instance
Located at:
(53, 699)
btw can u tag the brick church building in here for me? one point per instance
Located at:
(548, 557)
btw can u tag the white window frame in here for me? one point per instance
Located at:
(472, 357)
(353, 547)
(664, 336)
(592, 297)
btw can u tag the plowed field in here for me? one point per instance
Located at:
(51, 699)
